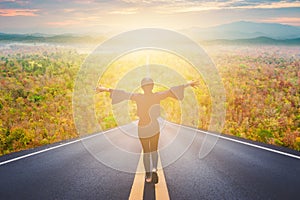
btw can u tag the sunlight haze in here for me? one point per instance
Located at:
(98, 16)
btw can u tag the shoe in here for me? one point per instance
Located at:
(154, 177)
(148, 177)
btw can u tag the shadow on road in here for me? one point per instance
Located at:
(149, 191)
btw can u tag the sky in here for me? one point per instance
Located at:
(100, 16)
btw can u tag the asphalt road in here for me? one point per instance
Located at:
(232, 170)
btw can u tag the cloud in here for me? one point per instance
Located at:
(80, 21)
(69, 10)
(13, 3)
(127, 11)
(67, 15)
(236, 4)
(295, 21)
(18, 12)
(177, 6)
(63, 23)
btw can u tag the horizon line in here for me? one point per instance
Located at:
(113, 29)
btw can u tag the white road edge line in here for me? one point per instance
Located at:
(37, 152)
(208, 133)
(257, 146)
(241, 142)
(55, 147)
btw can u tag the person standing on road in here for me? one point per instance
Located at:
(148, 110)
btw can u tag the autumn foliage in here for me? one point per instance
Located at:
(36, 97)
(262, 86)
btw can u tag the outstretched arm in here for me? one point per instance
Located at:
(102, 89)
(193, 84)
(117, 95)
(177, 92)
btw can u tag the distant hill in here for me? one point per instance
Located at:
(65, 38)
(256, 41)
(234, 33)
(245, 30)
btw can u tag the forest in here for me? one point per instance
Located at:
(262, 85)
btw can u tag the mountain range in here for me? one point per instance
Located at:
(245, 30)
(237, 32)
(45, 38)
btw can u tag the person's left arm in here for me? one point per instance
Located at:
(177, 92)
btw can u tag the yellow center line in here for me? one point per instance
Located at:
(137, 189)
(161, 190)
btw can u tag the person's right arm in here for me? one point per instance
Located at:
(117, 95)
